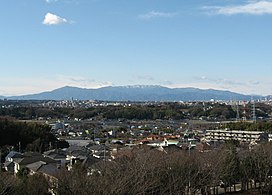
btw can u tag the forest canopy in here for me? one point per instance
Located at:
(26, 135)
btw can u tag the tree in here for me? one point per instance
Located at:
(7, 183)
(230, 170)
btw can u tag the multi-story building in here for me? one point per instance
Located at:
(245, 136)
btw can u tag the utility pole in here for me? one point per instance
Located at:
(20, 147)
(189, 185)
(104, 152)
(0, 160)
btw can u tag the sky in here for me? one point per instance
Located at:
(219, 44)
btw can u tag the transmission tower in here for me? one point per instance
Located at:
(244, 111)
(237, 111)
(253, 111)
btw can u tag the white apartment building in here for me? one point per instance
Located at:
(245, 136)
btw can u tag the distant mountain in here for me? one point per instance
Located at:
(269, 97)
(136, 93)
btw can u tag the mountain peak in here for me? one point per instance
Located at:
(69, 87)
(141, 86)
(136, 93)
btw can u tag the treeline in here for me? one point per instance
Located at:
(265, 126)
(218, 111)
(146, 171)
(23, 184)
(155, 172)
(26, 136)
(175, 111)
(109, 112)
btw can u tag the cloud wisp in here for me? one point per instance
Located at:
(251, 8)
(81, 81)
(51, 1)
(157, 14)
(145, 77)
(52, 19)
(241, 86)
(221, 81)
(76, 2)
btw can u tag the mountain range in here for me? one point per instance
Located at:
(135, 93)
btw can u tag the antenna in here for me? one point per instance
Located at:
(19, 146)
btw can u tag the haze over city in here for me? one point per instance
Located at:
(46, 44)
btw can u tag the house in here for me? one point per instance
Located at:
(76, 154)
(173, 141)
(9, 166)
(158, 142)
(117, 141)
(48, 170)
(97, 148)
(153, 137)
(57, 154)
(34, 167)
(9, 160)
(13, 155)
(33, 160)
(35, 163)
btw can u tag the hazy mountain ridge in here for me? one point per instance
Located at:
(136, 93)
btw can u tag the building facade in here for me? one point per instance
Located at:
(244, 136)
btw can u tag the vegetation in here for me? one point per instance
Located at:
(246, 126)
(142, 170)
(149, 171)
(26, 136)
(175, 111)
(28, 185)
(152, 172)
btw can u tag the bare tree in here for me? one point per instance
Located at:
(7, 183)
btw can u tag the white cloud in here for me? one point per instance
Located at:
(51, 1)
(260, 86)
(251, 8)
(52, 19)
(80, 81)
(32, 85)
(65, 1)
(221, 81)
(157, 14)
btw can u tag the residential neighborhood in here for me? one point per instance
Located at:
(91, 145)
(140, 97)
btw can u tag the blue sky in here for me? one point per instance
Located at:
(220, 44)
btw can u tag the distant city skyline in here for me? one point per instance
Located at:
(48, 44)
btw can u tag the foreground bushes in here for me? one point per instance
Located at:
(149, 171)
